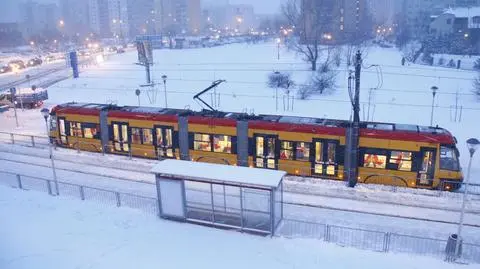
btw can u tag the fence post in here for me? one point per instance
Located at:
(82, 193)
(33, 141)
(12, 138)
(327, 233)
(130, 152)
(19, 181)
(386, 242)
(119, 202)
(49, 187)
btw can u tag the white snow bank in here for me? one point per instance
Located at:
(57, 233)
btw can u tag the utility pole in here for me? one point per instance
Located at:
(353, 133)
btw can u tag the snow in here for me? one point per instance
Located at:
(219, 173)
(57, 233)
(463, 12)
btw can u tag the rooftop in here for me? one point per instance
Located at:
(220, 173)
(463, 12)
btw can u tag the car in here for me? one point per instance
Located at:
(17, 64)
(120, 50)
(34, 62)
(5, 69)
(49, 58)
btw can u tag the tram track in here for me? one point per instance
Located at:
(35, 158)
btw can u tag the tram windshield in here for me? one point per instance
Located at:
(449, 158)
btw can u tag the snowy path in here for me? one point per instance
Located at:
(58, 233)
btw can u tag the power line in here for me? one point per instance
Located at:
(270, 97)
(419, 91)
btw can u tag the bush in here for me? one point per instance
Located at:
(452, 64)
(280, 80)
(476, 65)
(441, 61)
(427, 58)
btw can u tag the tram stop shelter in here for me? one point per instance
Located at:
(228, 197)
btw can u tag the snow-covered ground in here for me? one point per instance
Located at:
(45, 232)
(403, 93)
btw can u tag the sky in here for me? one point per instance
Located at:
(261, 6)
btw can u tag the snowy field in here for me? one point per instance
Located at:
(403, 94)
(45, 232)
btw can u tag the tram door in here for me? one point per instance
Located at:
(266, 151)
(120, 137)
(62, 130)
(164, 141)
(426, 171)
(324, 157)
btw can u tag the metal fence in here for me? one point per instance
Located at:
(374, 240)
(148, 205)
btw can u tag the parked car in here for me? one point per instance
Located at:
(17, 64)
(34, 62)
(5, 69)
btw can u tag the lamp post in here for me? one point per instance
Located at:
(45, 112)
(434, 92)
(472, 145)
(278, 40)
(164, 78)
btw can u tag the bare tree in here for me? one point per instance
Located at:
(280, 80)
(324, 80)
(305, 17)
(476, 86)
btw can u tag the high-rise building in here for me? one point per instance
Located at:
(382, 11)
(336, 20)
(141, 17)
(118, 14)
(38, 19)
(99, 17)
(177, 16)
(416, 14)
(467, 3)
(74, 17)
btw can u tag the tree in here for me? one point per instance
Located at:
(280, 80)
(301, 14)
(476, 65)
(322, 81)
(476, 86)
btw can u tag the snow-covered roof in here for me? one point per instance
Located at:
(220, 173)
(463, 12)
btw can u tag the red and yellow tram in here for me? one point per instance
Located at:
(392, 154)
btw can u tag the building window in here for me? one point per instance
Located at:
(449, 21)
(222, 143)
(401, 160)
(202, 142)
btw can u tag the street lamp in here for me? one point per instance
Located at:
(164, 78)
(472, 145)
(434, 92)
(278, 40)
(45, 113)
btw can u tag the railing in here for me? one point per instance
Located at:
(293, 228)
(148, 205)
(374, 240)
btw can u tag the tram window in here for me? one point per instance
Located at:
(168, 138)
(303, 151)
(222, 143)
(159, 136)
(259, 146)
(202, 142)
(331, 152)
(147, 137)
(374, 161)
(286, 150)
(449, 159)
(62, 127)
(402, 160)
(76, 129)
(136, 136)
(90, 132)
(318, 152)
